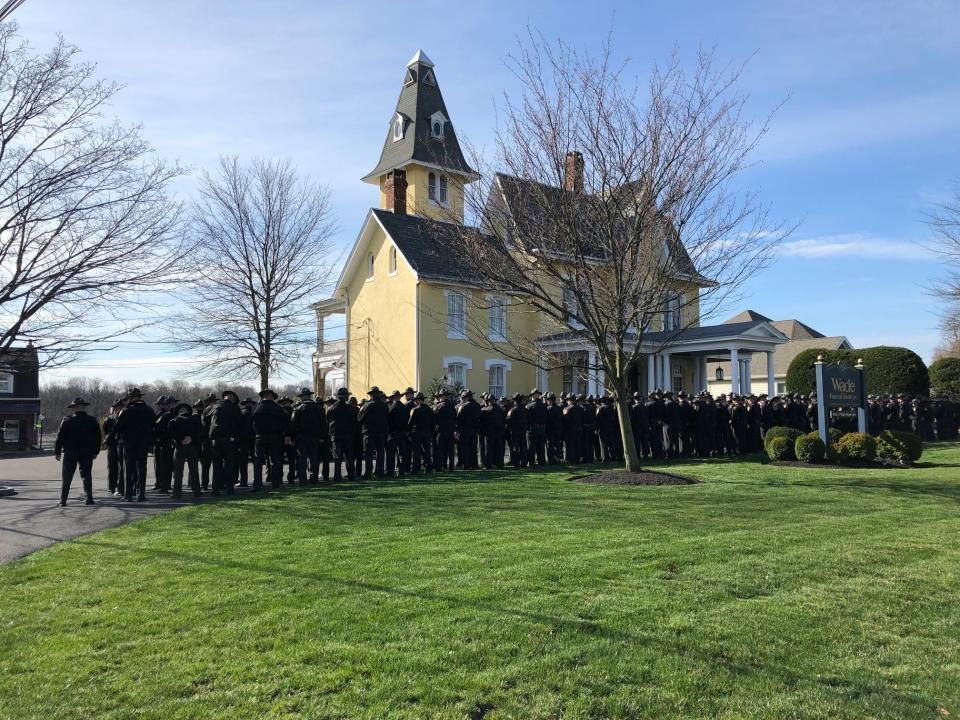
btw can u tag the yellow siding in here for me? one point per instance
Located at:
(418, 197)
(382, 323)
(435, 345)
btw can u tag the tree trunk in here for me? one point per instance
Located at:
(264, 375)
(631, 456)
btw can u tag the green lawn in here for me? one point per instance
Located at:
(763, 592)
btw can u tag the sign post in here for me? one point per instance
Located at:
(840, 386)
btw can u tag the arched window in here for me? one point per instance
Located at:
(398, 129)
(442, 193)
(370, 266)
(437, 128)
(393, 259)
(719, 374)
(432, 186)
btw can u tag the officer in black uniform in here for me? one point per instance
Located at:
(518, 426)
(493, 422)
(572, 429)
(607, 429)
(271, 426)
(655, 418)
(421, 434)
(445, 422)
(245, 442)
(114, 450)
(342, 424)
(186, 433)
(672, 417)
(640, 425)
(226, 422)
(135, 431)
(206, 451)
(305, 425)
(375, 423)
(536, 429)
(468, 425)
(398, 438)
(77, 444)
(554, 428)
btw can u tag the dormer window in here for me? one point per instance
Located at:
(442, 190)
(437, 188)
(437, 122)
(398, 127)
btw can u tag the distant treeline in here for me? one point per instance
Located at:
(101, 394)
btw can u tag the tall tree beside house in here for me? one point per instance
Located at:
(616, 216)
(262, 239)
(86, 226)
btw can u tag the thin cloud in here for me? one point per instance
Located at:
(854, 245)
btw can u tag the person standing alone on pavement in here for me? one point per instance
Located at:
(78, 443)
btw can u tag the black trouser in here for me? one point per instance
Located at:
(608, 446)
(268, 451)
(323, 452)
(163, 464)
(554, 448)
(656, 440)
(290, 458)
(343, 453)
(518, 449)
(537, 444)
(308, 456)
(397, 449)
(71, 461)
(444, 459)
(205, 460)
(190, 455)
(494, 451)
(244, 449)
(586, 443)
(374, 446)
(421, 442)
(467, 450)
(571, 443)
(115, 469)
(224, 458)
(135, 474)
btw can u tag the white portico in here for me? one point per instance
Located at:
(676, 360)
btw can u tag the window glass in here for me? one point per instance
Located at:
(498, 318)
(393, 259)
(432, 186)
(497, 380)
(6, 382)
(456, 314)
(457, 375)
(442, 193)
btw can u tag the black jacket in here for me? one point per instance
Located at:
(421, 419)
(374, 418)
(135, 426)
(536, 413)
(309, 420)
(445, 415)
(270, 420)
(110, 430)
(398, 417)
(342, 420)
(186, 426)
(226, 420)
(468, 417)
(79, 434)
(517, 420)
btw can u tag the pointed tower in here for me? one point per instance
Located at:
(421, 170)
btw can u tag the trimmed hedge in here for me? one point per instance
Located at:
(899, 446)
(809, 448)
(781, 431)
(834, 435)
(780, 448)
(945, 376)
(890, 370)
(857, 446)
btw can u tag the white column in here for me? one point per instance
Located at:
(734, 372)
(696, 374)
(651, 374)
(746, 376)
(667, 377)
(321, 323)
(591, 373)
(704, 380)
(601, 382)
(771, 377)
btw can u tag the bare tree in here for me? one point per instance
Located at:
(944, 224)
(615, 206)
(86, 226)
(263, 249)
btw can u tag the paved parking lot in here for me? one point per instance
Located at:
(33, 518)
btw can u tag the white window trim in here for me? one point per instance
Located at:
(451, 359)
(571, 322)
(393, 257)
(506, 364)
(6, 376)
(506, 304)
(398, 123)
(435, 200)
(443, 120)
(371, 267)
(452, 334)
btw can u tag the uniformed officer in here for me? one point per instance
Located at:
(607, 429)
(186, 432)
(305, 425)
(114, 450)
(554, 429)
(374, 419)
(77, 444)
(468, 426)
(398, 439)
(271, 426)
(518, 426)
(494, 427)
(245, 442)
(226, 423)
(342, 424)
(421, 434)
(536, 429)
(135, 431)
(445, 422)
(572, 429)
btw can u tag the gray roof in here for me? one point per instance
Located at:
(690, 334)
(420, 98)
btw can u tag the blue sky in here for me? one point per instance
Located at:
(864, 145)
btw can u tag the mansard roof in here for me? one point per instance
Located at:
(420, 99)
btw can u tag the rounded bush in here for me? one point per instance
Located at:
(809, 448)
(890, 370)
(780, 448)
(858, 446)
(834, 435)
(899, 446)
(945, 376)
(778, 431)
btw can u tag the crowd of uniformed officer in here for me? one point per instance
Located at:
(213, 441)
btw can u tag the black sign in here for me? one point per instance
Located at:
(842, 386)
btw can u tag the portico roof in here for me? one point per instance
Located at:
(752, 335)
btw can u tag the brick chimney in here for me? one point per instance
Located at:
(573, 172)
(395, 188)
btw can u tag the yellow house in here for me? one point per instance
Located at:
(413, 318)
